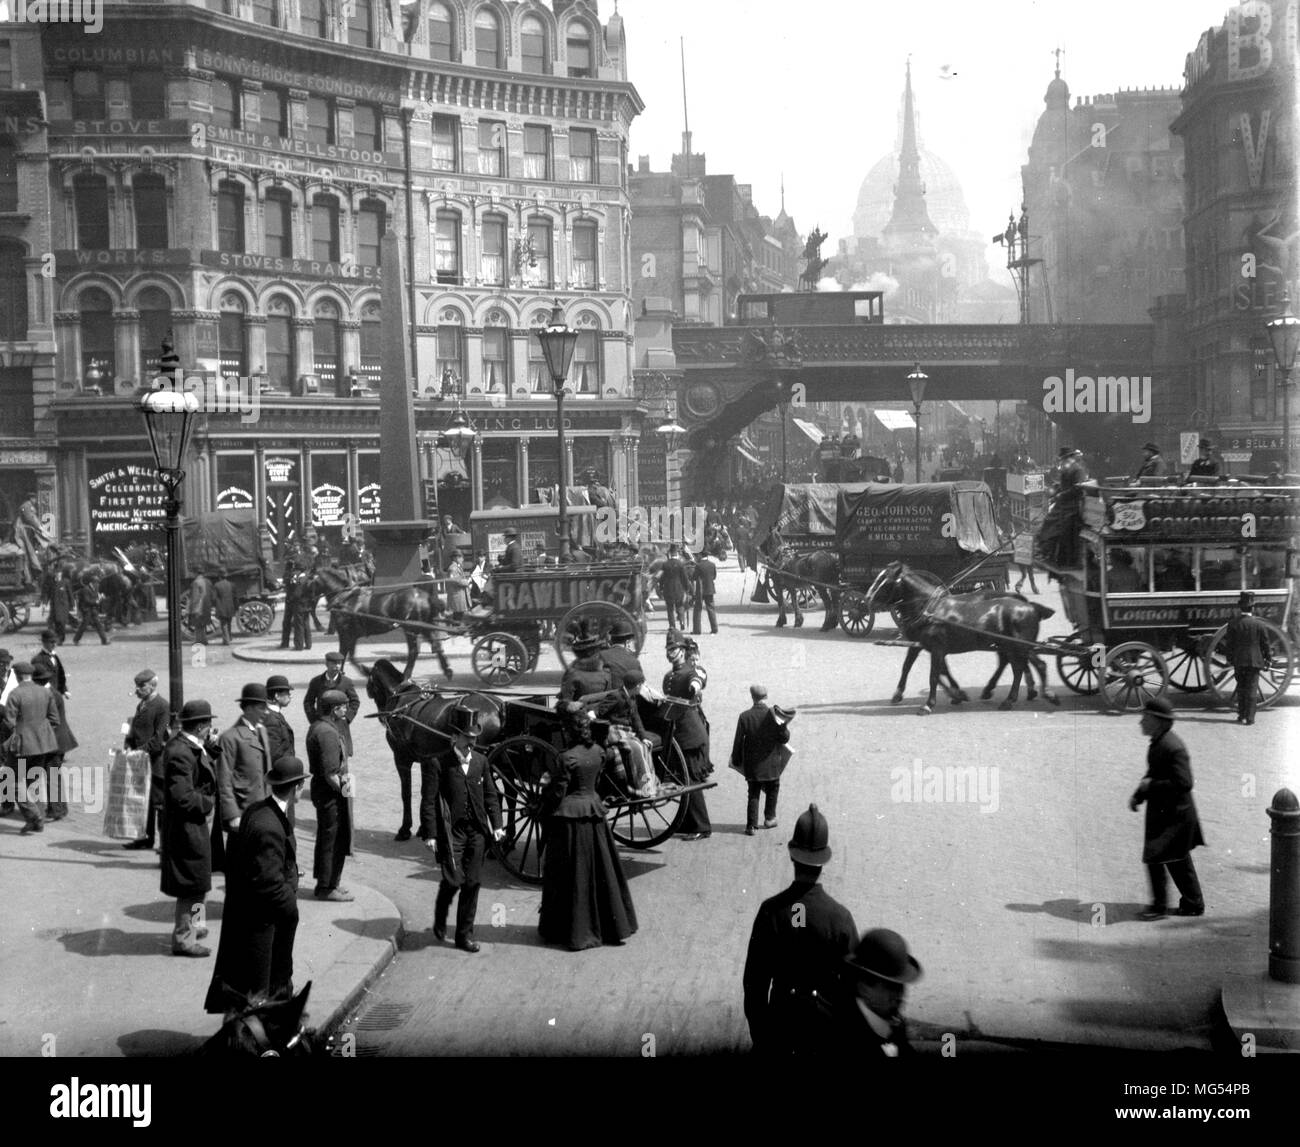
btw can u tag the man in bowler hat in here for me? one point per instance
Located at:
(759, 754)
(870, 1009)
(1246, 645)
(1172, 826)
(190, 796)
(459, 811)
(245, 758)
(796, 953)
(279, 733)
(1153, 463)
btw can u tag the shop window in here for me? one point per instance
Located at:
(149, 193)
(500, 462)
(492, 258)
(87, 94)
(325, 229)
(590, 454)
(371, 222)
(440, 32)
(368, 127)
(148, 94)
(90, 197)
(496, 363)
(537, 270)
(487, 39)
(447, 247)
(582, 155)
(585, 270)
(155, 309)
(230, 216)
(232, 338)
(584, 374)
(577, 48)
(281, 361)
(537, 152)
(278, 231)
(13, 293)
(8, 175)
(98, 343)
(491, 147)
(532, 44)
(325, 344)
(320, 120)
(543, 471)
(450, 362)
(446, 133)
(225, 104)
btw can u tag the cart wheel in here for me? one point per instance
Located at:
(1135, 673)
(19, 615)
(809, 598)
(518, 766)
(856, 615)
(648, 823)
(1187, 668)
(255, 616)
(499, 658)
(1274, 679)
(186, 627)
(1077, 670)
(534, 647)
(598, 614)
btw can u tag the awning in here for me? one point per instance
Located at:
(745, 454)
(895, 419)
(812, 430)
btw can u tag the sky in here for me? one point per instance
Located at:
(813, 92)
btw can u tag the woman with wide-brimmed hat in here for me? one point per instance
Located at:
(690, 727)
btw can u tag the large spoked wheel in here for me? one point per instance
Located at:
(186, 627)
(598, 615)
(1134, 674)
(1078, 670)
(856, 615)
(255, 616)
(499, 658)
(1187, 667)
(6, 618)
(647, 823)
(519, 766)
(1274, 679)
(19, 615)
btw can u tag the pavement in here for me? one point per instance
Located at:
(1022, 908)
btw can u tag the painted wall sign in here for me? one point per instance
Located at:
(126, 500)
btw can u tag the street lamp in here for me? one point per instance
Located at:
(558, 344)
(169, 417)
(1284, 334)
(916, 384)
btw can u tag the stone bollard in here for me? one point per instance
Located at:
(1284, 889)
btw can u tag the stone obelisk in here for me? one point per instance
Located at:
(395, 540)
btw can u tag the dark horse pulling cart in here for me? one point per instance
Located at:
(522, 738)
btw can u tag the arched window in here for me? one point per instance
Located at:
(492, 257)
(487, 39)
(371, 222)
(577, 49)
(446, 254)
(149, 193)
(281, 361)
(585, 269)
(155, 321)
(278, 230)
(360, 23)
(325, 228)
(532, 43)
(98, 344)
(450, 364)
(225, 104)
(325, 344)
(372, 345)
(496, 354)
(537, 266)
(90, 197)
(539, 377)
(8, 175)
(440, 32)
(232, 338)
(13, 292)
(230, 216)
(584, 373)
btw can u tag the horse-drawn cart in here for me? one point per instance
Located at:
(230, 542)
(18, 595)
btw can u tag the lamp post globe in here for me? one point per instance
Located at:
(916, 382)
(558, 342)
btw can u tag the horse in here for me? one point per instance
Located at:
(326, 581)
(364, 611)
(790, 571)
(269, 1029)
(941, 623)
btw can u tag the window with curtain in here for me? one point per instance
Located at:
(320, 120)
(440, 32)
(90, 198)
(450, 356)
(225, 103)
(532, 44)
(582, 155)
(487, 39)
(275, 111)
(372, 345)
(87, 94)
(230, 216)
(312, 18)
(492, 258)
(155, 310)
(539, 378)
(577, 47)
(98, 341)
(584, 255)
(446, 135)
(371, 221)
(368, 127)
(13, 292)
(584, 373)
(149, 194)
(496, 362)
(360, 20)
(539, 236)
(148, 94)
(537, 152)
(8, 175)
(232, 338)
(325, 229)
(446, 249)
(278, 230)
(325, 344)
(491, 147)
(280, 362)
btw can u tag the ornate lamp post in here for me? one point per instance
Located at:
(916, 384)
(1284, 334)
(169, 417)
(558, 344)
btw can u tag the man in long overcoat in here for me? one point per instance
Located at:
(329, 745)
(32, 714)
(200, 607)
(1172, 826)
(674, 587)
(706, 576)
(244, 760)
(148, 730)
(223, 605)
(758, 753)
(260, 918)
(190, 794)
(1246, 646)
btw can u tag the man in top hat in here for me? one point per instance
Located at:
(1172, 826)
(245, 758)
(674, 586)
(190, 794)
(32, 716)
(513, 558)
(459, 811)
(1246, 645)
(329, 745)
(148, 731)
(1206, 465)
(1153, 463)
(49, 657)
(332, 678)
(870, 1011)
(796, 953)
(1071, 470)
(260, 916)
(706, 576)
(760, 755)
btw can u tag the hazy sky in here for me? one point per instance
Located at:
(813, 90)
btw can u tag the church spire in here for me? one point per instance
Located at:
(909, 226)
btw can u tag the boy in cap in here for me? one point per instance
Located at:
(148, 730)
(1246, 645)
(759, 755)
(870, 1011)
(332, 678)
(1172, 826)
(190, 796)
(328, 748)
(796, 953)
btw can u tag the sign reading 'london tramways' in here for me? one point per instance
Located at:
(547, 592)
(1198, 614)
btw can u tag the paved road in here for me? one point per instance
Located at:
(1020, 901)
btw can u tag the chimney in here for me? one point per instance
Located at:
(643, 164)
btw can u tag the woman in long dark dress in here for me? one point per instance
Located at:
(686, 679)
(585, 898)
